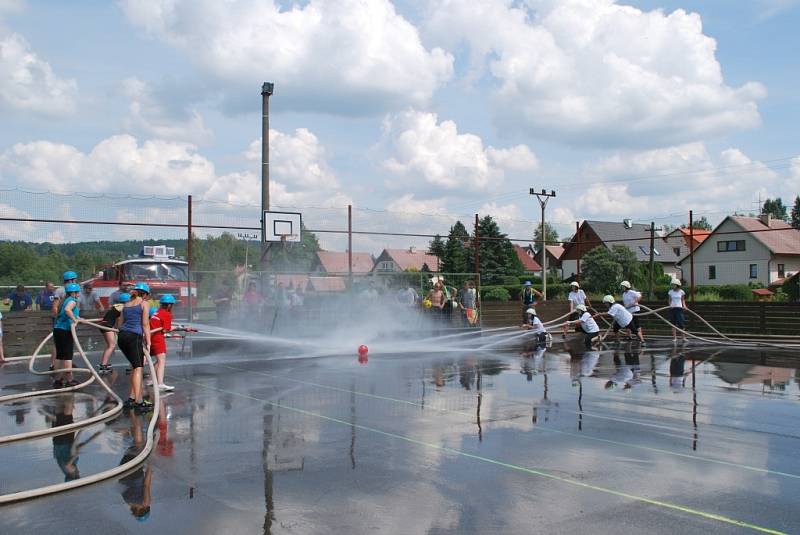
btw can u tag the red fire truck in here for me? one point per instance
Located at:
(156, 265)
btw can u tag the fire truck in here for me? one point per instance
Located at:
(156, 265)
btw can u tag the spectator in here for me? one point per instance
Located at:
(124, 288)
(89, 300)
(468, 301)
(20, 299)
(528, 297)
(2, 355)
(46, 297)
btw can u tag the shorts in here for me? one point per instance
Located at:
(64, 344)
(132, 346)
(676, 317)
(588, 337)
(633, 326)
(158, 346)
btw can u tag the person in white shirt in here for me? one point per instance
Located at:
(623, 320)
(533, 323)
(630, 300)
(676, 298)
(587, 324)
(576, 297)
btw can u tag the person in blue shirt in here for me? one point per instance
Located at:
(68, 313)
(44, 300)
(20, 299)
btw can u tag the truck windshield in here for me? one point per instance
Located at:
(155, 271)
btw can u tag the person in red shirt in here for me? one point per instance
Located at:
(162, 319)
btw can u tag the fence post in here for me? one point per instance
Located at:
(350, 246)
(762, 318)
(189, 253)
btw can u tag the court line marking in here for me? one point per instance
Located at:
(650, 501)
(536, 428)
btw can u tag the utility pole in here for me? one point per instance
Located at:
(266, 91)
(691, 255)
(543, 197)
(650, 294)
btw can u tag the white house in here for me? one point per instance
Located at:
(746, 249)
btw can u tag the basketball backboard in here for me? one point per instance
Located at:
(282, 226)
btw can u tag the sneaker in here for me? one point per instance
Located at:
(71, 382)
(166, 387)
(129, 404)
(58, 383)
(144, 406)
(51, 368)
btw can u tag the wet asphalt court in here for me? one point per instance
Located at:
(621, 441)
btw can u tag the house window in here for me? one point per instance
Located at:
(712, 272)
(781, 271)
(677, 251)
(386, 266)
(730, 246)
(646, 250)
(753, 271)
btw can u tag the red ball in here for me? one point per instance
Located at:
(363, 350)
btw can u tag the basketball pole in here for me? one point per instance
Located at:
(266, 91)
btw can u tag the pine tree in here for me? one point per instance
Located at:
(550, 234)
(775, 208)
(436, 248)
(455, 250)
(497, 256)
(795, 219)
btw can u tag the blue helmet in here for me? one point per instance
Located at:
(69, 275)
(72, 287)
(123, 297)
(152, 312)
(167, 299)
(142, 287)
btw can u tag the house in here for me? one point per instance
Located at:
(336, 262)
(681, 237)
(634, 236)
(525, 255)
(746, 249)
(395, 260)
(554, 253)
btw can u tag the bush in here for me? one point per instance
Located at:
(496, 293)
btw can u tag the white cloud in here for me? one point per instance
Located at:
(771, 8)
(28, 83)
(15, 230)
(674, 180)
(153, 118)
(346, 56)
(596, 72)
(422, 146)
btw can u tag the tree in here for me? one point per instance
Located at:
(437, 249)
(700, 224)
(550, 234)
(294, 257)
(497, 256)
(630, 267)
(795, 219)
(600, 271)
(775, 208)
(455, 250)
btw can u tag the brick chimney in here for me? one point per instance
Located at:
(766, 219)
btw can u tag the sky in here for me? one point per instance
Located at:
(640, 109)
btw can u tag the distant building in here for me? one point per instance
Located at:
(525, 255)
(554, 254)
(746, 249)
(635, 237)
(335, 262)
(396, 260)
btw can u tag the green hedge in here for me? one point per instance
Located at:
(559, 291)
(495, 293)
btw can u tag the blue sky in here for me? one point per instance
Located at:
(638, 109)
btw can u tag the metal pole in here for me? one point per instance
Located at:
(650, 294)
(578, 242)
(544, 257)
(189, 253)
(350, 245)
(266, 91)
(477, 267)
(691, 256)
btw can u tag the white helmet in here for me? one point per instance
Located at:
(530, 311)
(582, 308)
(575, 284)
(625, 284)
(675, 282)
(608, 299)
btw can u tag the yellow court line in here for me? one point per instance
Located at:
(531, 471)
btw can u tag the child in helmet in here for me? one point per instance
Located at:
(533, 323)
(58, 296)
(68, 313)
(110, 319)
(134, 337)
(623, 319)
(630, 300)
(677, 304)
(162, 319)
(587, 324)
(575, 298)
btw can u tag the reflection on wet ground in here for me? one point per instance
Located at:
(541, 440)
